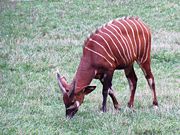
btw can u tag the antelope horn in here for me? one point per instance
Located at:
(71, 93)
(60, 84)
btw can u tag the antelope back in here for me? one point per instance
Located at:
(120, 42)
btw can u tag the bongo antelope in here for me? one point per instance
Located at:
(116, 45)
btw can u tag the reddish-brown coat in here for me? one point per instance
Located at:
(114, 46)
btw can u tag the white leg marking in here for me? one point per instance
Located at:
(155, 107)
(110, 91)
(130, 85)
(150, 81)
(105, 75)
(144, 71)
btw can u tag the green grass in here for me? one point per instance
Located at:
(37, 37)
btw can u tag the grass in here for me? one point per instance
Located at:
(37, 37)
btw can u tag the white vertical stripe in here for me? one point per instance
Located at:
(132, 34)
(121, 36)
(102, 48)
(113, 43)
(125, 41)
(127, 35)
(148, 41)
(139, 43)
(118, 41)
(107, 44)
(99, 55)
(116, 45)
(143, 38)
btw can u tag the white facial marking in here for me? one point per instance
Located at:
(71, 107)
(77, 103)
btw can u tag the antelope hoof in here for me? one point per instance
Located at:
(128, 109)
(117, 107)
(155, 103)
(103, 109)
(130, 105)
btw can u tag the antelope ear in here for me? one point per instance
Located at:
(89, 89)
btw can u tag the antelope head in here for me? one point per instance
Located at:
(72, 100)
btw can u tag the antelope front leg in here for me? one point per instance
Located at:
(113, 97)
(105, 94)
(106, 81)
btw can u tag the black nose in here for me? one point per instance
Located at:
(70, 114)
